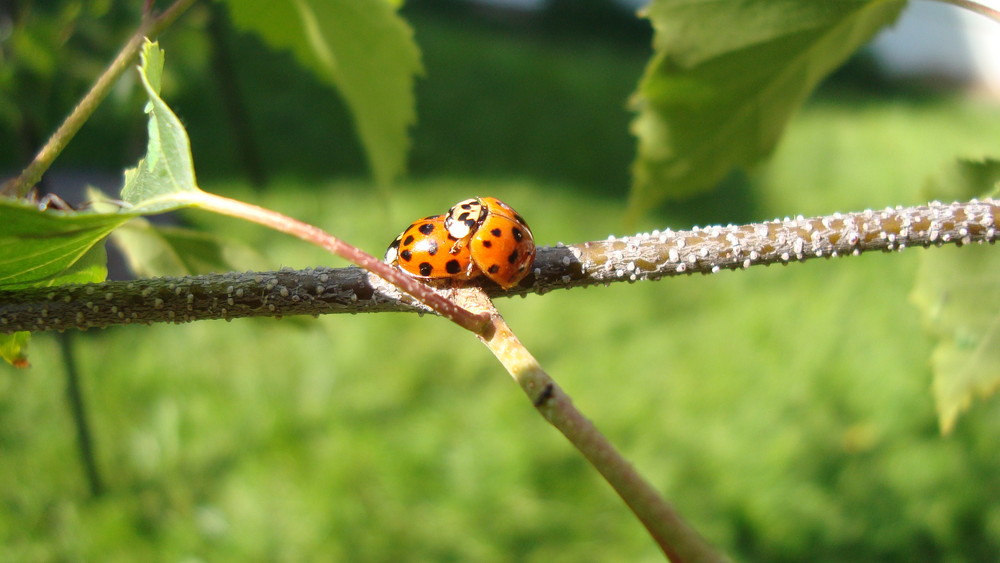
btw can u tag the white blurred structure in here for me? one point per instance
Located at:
(937, 41)
(932, 41)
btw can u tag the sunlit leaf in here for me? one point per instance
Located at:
(364, 49)
(164, 179)
(964, 180)
(42, 247)
(14, 348)
(958, 294)
(52, 247)
(727, 76)
(157, 250)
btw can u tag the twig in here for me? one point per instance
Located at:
(78, 409)
(976, 7)
(423, 293)
(678, 540)
(647, 256)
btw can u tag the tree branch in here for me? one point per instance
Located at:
(678, 540)
(977, 7)
(645, 256)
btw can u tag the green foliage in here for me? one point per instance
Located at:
(14, 348)
(547, 106)
(50, 53)
(164, 179)
(157, 250)
(958, 295)
(958, 292)
(777, 407)
(44, 247)
(965, 179)
(360, 46)
(797, 421)
(727, 76)
(41, 248)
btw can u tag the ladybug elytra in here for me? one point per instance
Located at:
(427, 250)
(481, 235)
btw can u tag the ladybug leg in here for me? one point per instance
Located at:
(459, 245)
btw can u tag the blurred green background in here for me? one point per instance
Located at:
(785, 411)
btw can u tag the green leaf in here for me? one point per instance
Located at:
(43, 247)
(50, 247)
(964, 180)
(14, 348)
(153, 250)
(40, 248)
(958, 294)
(164, 179)
(364, 49)
(47, 248)
(727, 76)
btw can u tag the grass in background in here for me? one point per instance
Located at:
(785, 410)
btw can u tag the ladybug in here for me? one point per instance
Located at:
(498, 238)
(427, 250)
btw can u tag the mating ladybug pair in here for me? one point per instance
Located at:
(479, 236)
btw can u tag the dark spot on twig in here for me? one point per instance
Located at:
(544, 396)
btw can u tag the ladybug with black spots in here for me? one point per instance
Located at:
(499, 240)
(427, 250)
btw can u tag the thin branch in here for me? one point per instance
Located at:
(976, 7)
(309, 233)
(78, 409)
(647, 256)
(678, 540)
(150, 27)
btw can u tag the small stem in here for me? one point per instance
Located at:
(678, 540)
(78, 409)
(20, 186)
(976, 7)
(443, 306)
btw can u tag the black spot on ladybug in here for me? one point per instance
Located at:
(513, 257)
(453, 267)
(517, 234)
(496, 232)
(408, 240)
(520, 220)
(426, 228)
(493, 269)
(487, 244)
(406, 255)
(467, 206)
(432, 247)
(425, 269)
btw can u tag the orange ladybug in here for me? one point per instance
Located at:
(427, 250)
(499, 240)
